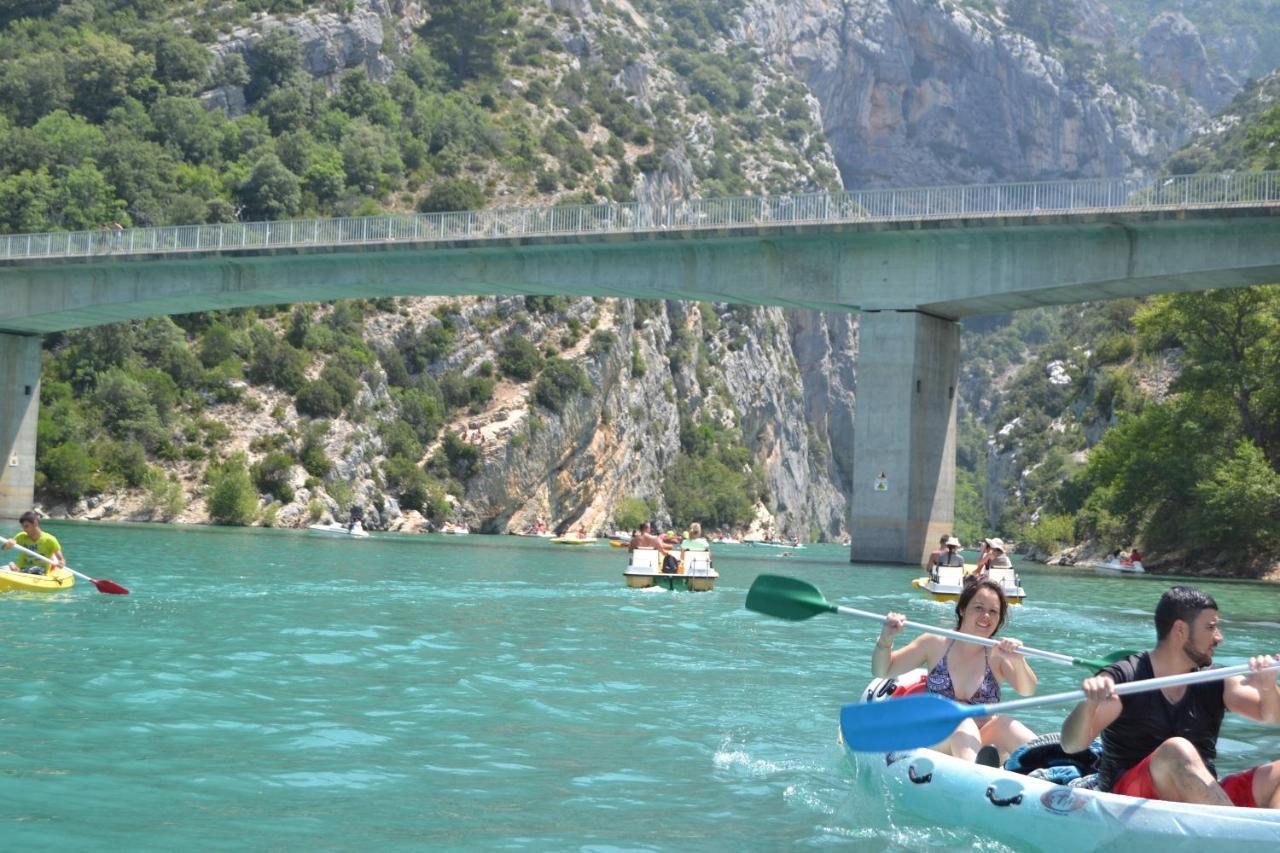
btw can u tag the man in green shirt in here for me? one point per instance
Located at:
(44, 544)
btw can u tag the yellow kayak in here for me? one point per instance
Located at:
(21, 581)
(572, 540)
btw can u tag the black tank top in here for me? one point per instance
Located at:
(1148, 720)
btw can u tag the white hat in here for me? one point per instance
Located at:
(953, 541)
(997, 544)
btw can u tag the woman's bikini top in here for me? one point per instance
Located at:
(939, 681)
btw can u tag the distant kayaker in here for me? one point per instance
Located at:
(966, 672)
(44, 544)
(1162, 744)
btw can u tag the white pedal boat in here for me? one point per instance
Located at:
(1028, 813)
(696, 574)
(949, 583)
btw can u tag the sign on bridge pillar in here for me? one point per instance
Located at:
(904, 441)
(19, 406)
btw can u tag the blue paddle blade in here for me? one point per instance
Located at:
(906, 723)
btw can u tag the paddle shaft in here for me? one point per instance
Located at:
(45, 559)
(956, 635)
(1143, 686)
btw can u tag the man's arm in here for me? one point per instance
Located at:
(1099, 710)
(1256, 695)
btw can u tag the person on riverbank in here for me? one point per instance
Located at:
(966, 672)
(35, 539)
(1163, 744)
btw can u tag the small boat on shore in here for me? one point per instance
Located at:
(356, 530)
(453, 529)
(949, 583)
(58, 579)
(1024, 812)
(695, 574)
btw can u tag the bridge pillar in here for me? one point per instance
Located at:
(904, 441)
(19, 406)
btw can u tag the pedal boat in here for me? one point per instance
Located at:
(695, 574)
(950, 583)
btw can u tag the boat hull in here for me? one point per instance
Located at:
(1027, 813)
(1123, 567)
(337, 530)
(674, 582)
(55, 581)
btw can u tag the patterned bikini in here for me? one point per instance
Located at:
(939, 681)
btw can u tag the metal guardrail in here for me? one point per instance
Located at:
(1233, 189)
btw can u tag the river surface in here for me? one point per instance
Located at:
(276, 690)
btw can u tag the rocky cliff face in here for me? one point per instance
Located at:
(917, 92)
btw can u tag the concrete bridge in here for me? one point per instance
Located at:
(913, 262)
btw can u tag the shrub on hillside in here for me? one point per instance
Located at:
(519, 359)
(560, 381)
(231, 497)
(271, 475)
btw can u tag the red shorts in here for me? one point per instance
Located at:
(1137, 782)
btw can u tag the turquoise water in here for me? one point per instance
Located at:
(277, 690)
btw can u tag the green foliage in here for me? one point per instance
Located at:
(1239, 505)
(271, 476)
(231, 496)
(559, 382)
(470, 36)
(630, 513)
(519, 359)
(451, 195)
(1050, 532)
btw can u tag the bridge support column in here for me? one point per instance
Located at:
(904, 444)
(19, 406)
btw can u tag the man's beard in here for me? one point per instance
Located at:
(1199, 658)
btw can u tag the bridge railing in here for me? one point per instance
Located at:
(884, 205)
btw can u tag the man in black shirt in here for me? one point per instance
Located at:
(1162, 744)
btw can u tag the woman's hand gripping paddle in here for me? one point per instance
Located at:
(103, 586)
(790, 598)
(926, 718)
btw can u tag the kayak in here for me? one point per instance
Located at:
(23, 582)
(573, 540)
(1030, 813)
(949, 583)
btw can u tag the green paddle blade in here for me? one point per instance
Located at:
(787, 598)
(1096, 664)
(906, 723)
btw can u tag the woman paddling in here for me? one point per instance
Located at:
(966, 672)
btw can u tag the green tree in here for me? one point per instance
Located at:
(1239, 505)
(470, 36)
(630, 513)
(232, 499)
(559, 382)
(451, 195)
(271, 191)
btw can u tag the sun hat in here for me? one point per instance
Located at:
(997, 544)
(953, 541)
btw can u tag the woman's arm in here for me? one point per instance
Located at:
(1012, 667)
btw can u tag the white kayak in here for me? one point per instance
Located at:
(1029, 813)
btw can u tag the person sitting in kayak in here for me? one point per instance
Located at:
(44, 544)
(966, 672)
(1162, 744)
